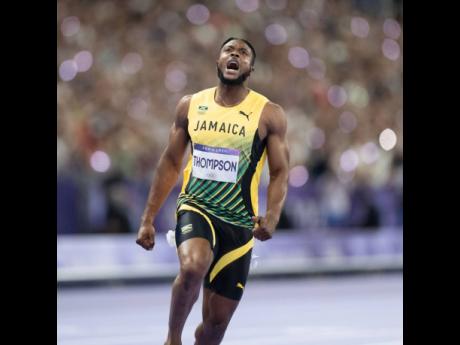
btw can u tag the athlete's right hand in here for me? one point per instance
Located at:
(146, 236)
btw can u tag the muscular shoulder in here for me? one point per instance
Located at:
(182, 111)
(274, 119)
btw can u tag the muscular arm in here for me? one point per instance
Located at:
(166, 174)
(275, 128)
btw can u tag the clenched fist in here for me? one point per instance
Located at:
(146, 236)
(264, 227)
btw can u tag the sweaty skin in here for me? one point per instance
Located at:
(195, 255)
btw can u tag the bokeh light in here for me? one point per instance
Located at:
(68, 70)
(132, 63)
(349, 160)
(275, 34)
(100, 161)
(198, 14)
(337, 96)
(84, 60)
(391, 28)
(360, 27)
(247, 5)
(70, 26)
(298, 176)
(298, 57)
(390, 49)
(387, 139)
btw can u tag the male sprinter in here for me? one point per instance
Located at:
(231, 129)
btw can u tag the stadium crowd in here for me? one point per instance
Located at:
(334, 66)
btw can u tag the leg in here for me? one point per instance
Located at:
(205, 311)
(195, 257)
(217, 312)
(224, 285)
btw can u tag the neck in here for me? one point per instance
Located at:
(229, 95)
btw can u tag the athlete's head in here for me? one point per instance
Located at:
(236, 61)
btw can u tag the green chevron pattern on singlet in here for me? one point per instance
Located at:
(222, 199)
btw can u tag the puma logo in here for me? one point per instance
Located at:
(244, 114)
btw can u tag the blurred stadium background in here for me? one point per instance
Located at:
(334, 66)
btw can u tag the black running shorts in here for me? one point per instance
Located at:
(231, 245)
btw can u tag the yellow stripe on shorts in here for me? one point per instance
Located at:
(230, 257)
(193, 209)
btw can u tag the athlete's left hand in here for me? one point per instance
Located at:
(264, 227)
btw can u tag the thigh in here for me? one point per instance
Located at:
(229, 280)
(228, 273)
(195, 253)
(190, 225)
(194, 241)
(217, 308)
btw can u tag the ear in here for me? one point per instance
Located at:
(252, 68)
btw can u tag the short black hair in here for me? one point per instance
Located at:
(245, 41)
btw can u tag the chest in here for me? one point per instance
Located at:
(210, 123)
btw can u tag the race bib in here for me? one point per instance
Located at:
(215, 163)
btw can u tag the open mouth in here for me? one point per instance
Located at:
(233, 65)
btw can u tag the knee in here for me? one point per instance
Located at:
(193, 270)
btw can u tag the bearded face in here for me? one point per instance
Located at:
(234, 63)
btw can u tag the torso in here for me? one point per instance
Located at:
(227, 158)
